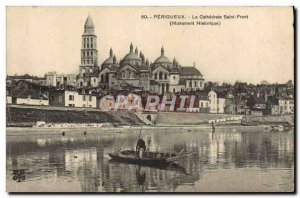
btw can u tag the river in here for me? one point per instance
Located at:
(224, 161)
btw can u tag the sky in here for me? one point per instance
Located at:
(42, 39)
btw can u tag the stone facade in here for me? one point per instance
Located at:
(133, 72)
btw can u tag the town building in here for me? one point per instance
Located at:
(217, 102)
(133, 72)
(286, 105)
(203, 102)
(26, 93)
(235, 104)
(72, 98)
(51, 79)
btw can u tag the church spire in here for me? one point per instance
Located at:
(114, 59)
(136, 50)
(111, 52)
(162, 51)
(174, 61)
(131, 47)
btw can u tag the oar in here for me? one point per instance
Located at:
(180, 152)
(140, 132)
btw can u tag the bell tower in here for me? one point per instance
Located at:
(89, 52)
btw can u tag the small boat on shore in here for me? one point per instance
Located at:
(149, 158)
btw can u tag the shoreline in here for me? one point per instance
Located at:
(18, 131)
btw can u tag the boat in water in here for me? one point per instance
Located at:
(148, 158)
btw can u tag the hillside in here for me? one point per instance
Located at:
(22, 116)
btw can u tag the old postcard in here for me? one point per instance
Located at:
(150, 99)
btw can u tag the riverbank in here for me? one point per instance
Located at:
(27, 116)
(20, 131)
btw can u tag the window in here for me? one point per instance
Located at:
(60, 99)
(90, 98)
(195, 83)
(83, 105)
(83, 97)
(155, 76)
(166, 76)
(190, 83)
(160, 75)
(201, 104)
(71, 105)
(174, 77)
(71, 97)
(106, 77)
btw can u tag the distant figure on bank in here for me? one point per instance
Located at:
(140, 147)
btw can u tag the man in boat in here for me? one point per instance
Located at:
(140, 147)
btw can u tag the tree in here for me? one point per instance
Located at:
(251, 101)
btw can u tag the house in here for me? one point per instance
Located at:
(29, 97)
(71, 79)
(286, 105)
(235, 104)
(72, 98)
(203, 102)
(27, 93)
(275, 109)
(256, 111)
(217, 102)
(230, 107)
(51, 79)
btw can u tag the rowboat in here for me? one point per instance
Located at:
(160, 166)
(148, 158)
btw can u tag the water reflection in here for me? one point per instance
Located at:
(83, 160)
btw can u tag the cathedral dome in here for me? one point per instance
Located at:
(111, 59)
(162, 58)
(108, 61)
(132, 56)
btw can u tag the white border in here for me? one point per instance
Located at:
(5, 3)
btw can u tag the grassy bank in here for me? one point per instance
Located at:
(26, 117)
(182, 118)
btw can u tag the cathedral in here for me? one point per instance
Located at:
(133, 72)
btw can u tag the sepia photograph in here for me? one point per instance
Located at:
(157, 99)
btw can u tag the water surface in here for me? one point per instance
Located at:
(225, 161)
